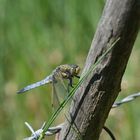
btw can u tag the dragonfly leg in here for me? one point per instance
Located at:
(77, 76)
(70, 84)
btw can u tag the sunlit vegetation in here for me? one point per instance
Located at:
(35, 37)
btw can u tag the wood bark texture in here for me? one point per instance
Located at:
(94, 98)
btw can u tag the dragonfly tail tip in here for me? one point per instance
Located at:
(20, 91)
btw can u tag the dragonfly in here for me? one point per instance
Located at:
(65, 71)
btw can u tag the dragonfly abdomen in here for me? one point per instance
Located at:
(47, 80)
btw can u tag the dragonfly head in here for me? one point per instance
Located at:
(68, 71)
(75, 69)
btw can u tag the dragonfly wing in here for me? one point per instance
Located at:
(55, 98)
(61, 87)
(48, 79)
(64, 85)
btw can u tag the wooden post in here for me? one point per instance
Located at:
(94, 99)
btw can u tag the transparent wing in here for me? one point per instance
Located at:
(55, 98)
(65, 85)
(48, 79)
(62, 86)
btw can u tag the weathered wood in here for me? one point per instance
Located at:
(93, 100)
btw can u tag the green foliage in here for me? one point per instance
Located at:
(35, 37)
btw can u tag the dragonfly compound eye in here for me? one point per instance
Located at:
(77, 70)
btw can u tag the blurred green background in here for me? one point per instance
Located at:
(35, 37)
